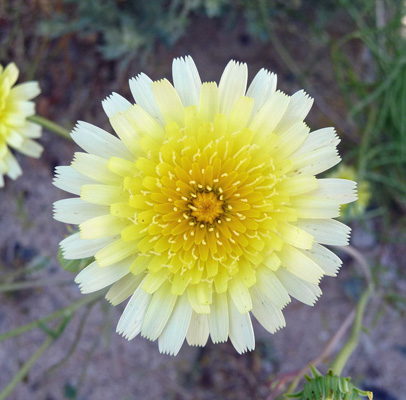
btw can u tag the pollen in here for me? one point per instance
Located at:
(208, 207)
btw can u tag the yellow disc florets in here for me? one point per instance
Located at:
(204, 202)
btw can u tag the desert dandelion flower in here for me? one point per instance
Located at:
(15, 131)
(206, 207)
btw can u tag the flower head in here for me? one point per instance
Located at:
(205, 208)
(15, 131)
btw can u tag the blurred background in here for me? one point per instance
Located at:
(350, 55)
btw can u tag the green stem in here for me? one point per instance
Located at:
(10, 287)
(342, 357)
(25, 368)
(62, 312)
(51, 126)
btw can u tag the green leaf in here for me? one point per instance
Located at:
(73, 266)
(328, 387)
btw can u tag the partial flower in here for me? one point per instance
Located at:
(358, 208)
(206, 208)
(16, 131)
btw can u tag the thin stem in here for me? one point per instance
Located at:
(13, 286)
(355, 317)
(325, 353)
(23, 371)
(25, 368)
(362, 262)
(66, 311)
(50, 126)
(342, 357)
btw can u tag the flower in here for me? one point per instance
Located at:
(15, 130)
(358, 208)
(205, 208)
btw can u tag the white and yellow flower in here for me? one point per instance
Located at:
(206, 208)
(15, 131)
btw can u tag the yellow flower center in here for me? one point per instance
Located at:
(206, 207)
(202, 204)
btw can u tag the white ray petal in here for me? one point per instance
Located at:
(159, 311)
(326, 231)
(99, 142)
(305, 292)
(342, 191)
(232, 86)
(299, 106)
(75, 210)
(115, 103)
(93, 277)
(14, 169)
(174, 334)
(186, 80)
(269, 115)
(31, 130)
(25, 91)
(133, 315)
(267, 314)
(31, 148)
(297, 263)
(218, 318)
(269, 284)
(73, 247)
(241, 332)
(316, 161)
(123, 288)
(240, 294)
(69, 180)
(325, 137)
(262, 87)
(141, 89)
(95, 167)
(326, 259)
(198, 331)
(169, 102)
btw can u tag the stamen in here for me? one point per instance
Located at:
(239, 151)
(212, 157)
(257, 167)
